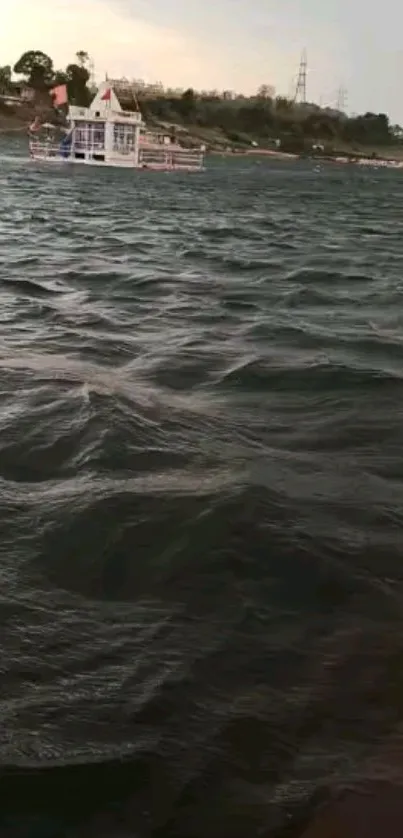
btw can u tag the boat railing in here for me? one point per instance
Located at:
(77, 113)
(165, 157)
(124, 148)
(127, 116)
(82, 145)
(156, 158)
(39, 148)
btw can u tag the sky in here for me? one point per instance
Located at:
(225, 44)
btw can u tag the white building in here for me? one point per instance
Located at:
(104, 132)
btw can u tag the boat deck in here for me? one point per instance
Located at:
(157, 159)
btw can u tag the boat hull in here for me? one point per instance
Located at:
(149, 159)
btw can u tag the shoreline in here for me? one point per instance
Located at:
(12, 124)
(358, 160)
(255, 152)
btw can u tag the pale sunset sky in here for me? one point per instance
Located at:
(225, 44)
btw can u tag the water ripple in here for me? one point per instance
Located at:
(200, 494)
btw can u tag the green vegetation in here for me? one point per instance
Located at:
(5, 78)
(236, 121)
(278, 122)
(37, 68)
(40, 74)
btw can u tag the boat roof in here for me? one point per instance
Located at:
(105, 99)
(105, 106)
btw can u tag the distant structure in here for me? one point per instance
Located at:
(19, 94)
(300, 89)
(341, 99)
(127, 89)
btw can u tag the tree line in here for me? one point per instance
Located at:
(240, 119)
(293, 126)
(39, 73)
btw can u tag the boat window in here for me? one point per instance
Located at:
(98, 136)
(80, 135)
(90, 135)
(123, 138)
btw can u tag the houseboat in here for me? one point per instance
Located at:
(106, 135)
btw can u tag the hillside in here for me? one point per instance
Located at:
(242, 122)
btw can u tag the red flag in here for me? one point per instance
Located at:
(107, 96)
(59, 95)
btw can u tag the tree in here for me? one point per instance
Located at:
(397, 132)
(319, 125)
(187, 104)
(37, 67)
(60, 77)
(256, 116)
(265, 91)
(369, 129)
(82, 57)
(5, 79)
(283, 104)
(77, 80)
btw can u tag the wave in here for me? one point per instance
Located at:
(200, 497)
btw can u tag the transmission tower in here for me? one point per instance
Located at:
(341, 99)
(300, 90)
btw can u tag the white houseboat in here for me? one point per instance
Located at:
(105, 135)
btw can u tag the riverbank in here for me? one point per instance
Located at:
(219, 143)
(17, 118)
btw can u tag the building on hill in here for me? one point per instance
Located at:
(127, 89)
(21, 92)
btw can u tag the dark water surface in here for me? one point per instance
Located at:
(201, 497)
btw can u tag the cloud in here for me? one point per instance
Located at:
(118, 44)
(223, 51)
(235, 44)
